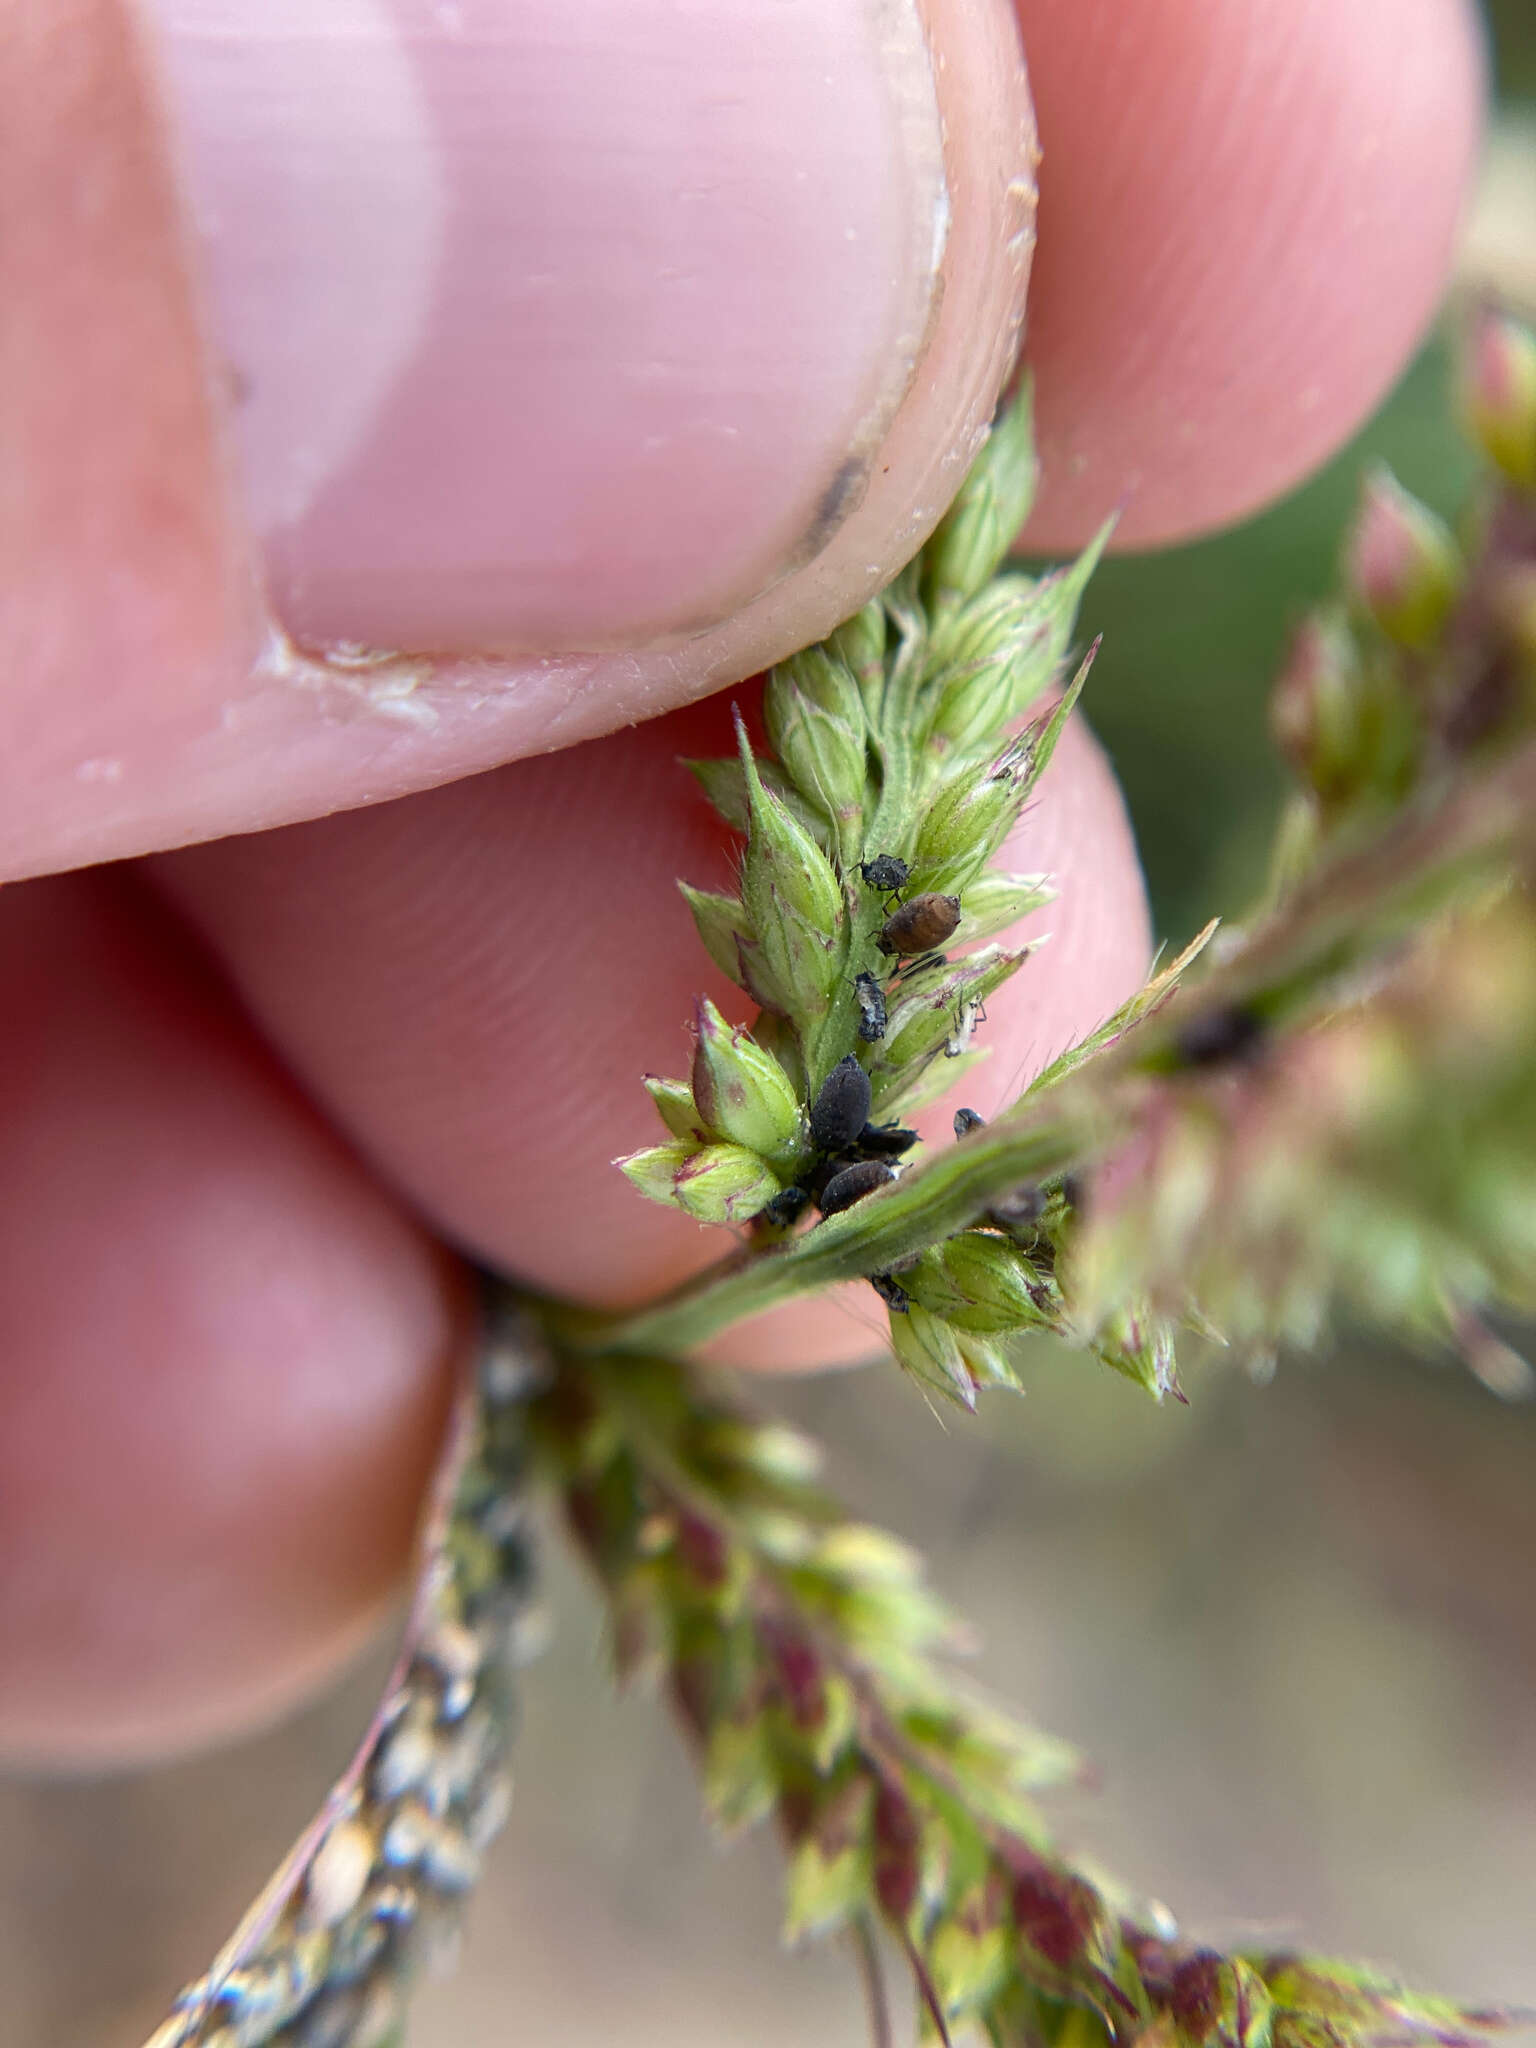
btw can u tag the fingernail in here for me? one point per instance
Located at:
(548, 327)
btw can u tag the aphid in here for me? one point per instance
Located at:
(851, 1184)
(1223, 1037)
(920, 925)
(786, 1208)
(883, 1141)
(968, 1120)
(970, 1015)
(841, 1109)
(886, 873)
(891, 1292)
(920, 963)
(1021, 1209)
(872, 1011)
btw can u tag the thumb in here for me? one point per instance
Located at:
(591, 356)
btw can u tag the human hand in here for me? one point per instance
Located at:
(589, 336)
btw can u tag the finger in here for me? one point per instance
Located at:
(1247, 217)
(473, 981)
(553, 331)
(224, 1356)
(1226, 296)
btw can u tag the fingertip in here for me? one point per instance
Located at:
(226, 1356)
(1247, 220)
(594, 364)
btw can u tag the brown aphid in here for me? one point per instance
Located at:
(920, 924)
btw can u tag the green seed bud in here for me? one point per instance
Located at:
(741, 1090)
(968, 821)
(777, 1037)
(970, 1959)
(1401, 564)
(722, 924)
(725, 785)
(992, 504)
(1497, 380)
(932, 1015)
(986, 1360)
(1005, 611)
(995, 902)
(829, 1876)
(1140, 1344)
(677, 1109)
(924, 1281)
(714, 1183)
(998, 1286)
(860, 642)
(794, 902)
(654, 1172)
(929, 1350)
(815, 719)
(1000, 656)
(1320, 712)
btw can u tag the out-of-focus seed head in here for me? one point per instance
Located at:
(1220, 1037)
(1401, 564)
(1324, 713)
(1497, 391)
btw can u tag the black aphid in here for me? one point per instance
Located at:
(920, 925)
(872, 1012)
(851, 1184)
(891, 1292)
(787, 1207)
(919, 963)
(841, 1110)
(1222, 1037)
(886, 872)
(968, 1120)
(884, 1141)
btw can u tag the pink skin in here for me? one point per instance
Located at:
(207, 1476)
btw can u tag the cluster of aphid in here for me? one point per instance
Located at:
(852, 1157)
(895, 773)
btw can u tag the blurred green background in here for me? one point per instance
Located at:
(1193, 635)
(1294, 1626)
